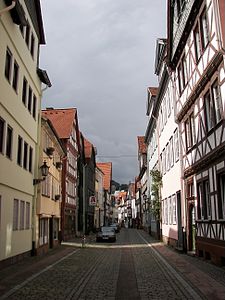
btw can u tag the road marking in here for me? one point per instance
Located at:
(19, 286)
(190, 290)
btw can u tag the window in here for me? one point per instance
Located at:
(221, 196)
(30, 159)
(203, 200)
(218, 105)
(22, 214)
(15, 214)
(176, 145)
(34, 106)
(29, 105)
(208, 111)
(213, 107)
(32, 43)
(24, 93)
(8, 64)
(197, 43)
(22, 29)
(201, 35)
(19, 150)
(204, 30)
(170, 210)
(190, 131)
(27, 34)
(15, 76)
(182, 74)
(9, 139)
(43, 231)
(45, 186)
(174, 209)
(171, 153)
(27, 215)
(2, 132)
(25, 153)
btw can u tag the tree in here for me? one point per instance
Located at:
(156, 188)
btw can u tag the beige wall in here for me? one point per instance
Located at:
(15, 182)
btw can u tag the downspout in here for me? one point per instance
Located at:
(8, 8)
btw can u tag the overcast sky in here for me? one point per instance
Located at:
(99, 55)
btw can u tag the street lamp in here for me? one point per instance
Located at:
(44, 172)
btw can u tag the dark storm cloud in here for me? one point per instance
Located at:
(100, 57)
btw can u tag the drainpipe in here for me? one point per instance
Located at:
(8, 8)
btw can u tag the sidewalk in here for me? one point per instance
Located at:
(208, 278)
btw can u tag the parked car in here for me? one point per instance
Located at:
(116, 227)
(106, 233)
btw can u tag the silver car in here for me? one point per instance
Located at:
(106, 233)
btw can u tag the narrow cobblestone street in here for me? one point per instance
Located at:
(135, 267)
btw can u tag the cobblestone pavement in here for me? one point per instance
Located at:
(135, 267)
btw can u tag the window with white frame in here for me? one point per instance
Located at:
(27, 221)
(201, 35)
(15, 214)
(15, 76)
(9, 141)
(170, 210)
(43, 231)
(190, 134)
(166, 211)
(46, 186)
(176, 145)
(2, 134)
(8, 65)
(174, 201)
(221, 196)
(171, 152)
(22, 214)
(203, 199)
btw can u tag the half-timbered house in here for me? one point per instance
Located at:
(65, 122)
(196, 58)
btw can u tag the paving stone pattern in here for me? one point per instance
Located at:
(135, 267)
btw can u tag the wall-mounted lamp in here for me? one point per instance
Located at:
(44, 172)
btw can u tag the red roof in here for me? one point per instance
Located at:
(87, 148)
(62, 120)
(142, 148)
(106, 168)
(153, 90)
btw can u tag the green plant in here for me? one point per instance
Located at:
(155, 188)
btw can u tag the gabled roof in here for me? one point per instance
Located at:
(106, 168)
(62, 120)
(88, 148)
(142, 148)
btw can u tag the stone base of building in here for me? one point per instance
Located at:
(169, 241)
(14, 259)
(211, 249)
(42, 250)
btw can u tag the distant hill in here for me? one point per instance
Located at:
(116, 186)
